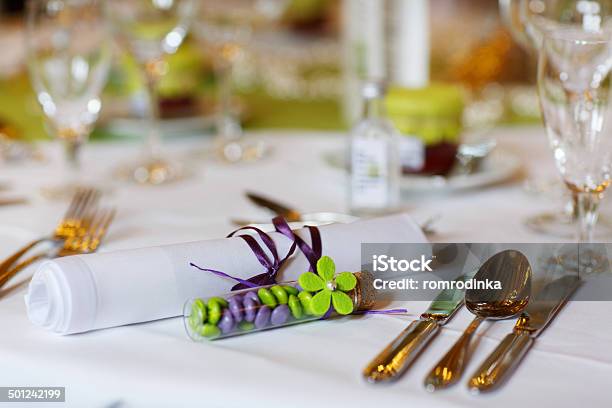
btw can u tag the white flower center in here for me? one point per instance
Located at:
(331, 285)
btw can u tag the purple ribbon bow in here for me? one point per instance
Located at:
(272, 266)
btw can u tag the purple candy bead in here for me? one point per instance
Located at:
(252, 295)
(227, 322)
(263, 317)
(235, 306)
(250, 309)
(280, 315)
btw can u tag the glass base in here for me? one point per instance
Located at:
(563, 225)
(153, 172)
(240, 150)
(66, 191)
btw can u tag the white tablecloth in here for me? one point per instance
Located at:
(317, 364)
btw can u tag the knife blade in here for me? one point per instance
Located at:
(407, 346)
(289, 214)
(540, 311)
(12, 201)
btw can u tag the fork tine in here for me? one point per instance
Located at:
(95, 228)
(90, 199)
(101, 228)
(110, 216)
(74, 203)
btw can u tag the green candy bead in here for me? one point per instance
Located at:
(306, 300)
(210, 330)
(291, 290)
(198, 314)
(246, 326)
(267, 298)
(279, 294)
(214, 311)
(295, 306)
(219, 300)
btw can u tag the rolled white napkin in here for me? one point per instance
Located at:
(87, 292)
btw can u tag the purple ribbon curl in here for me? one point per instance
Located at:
(272, 266)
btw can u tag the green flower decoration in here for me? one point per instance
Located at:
(331, 289)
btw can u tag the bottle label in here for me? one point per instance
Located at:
(412, 152)
(369, 180)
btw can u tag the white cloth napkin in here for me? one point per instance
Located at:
(87, 292)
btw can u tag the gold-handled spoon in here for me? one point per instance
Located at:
(511, 268)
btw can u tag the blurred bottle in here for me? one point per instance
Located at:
(387, 40)
(373, 157)
(363, 39)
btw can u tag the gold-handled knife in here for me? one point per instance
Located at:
(539, 312)
(406, 347)
(289, 214)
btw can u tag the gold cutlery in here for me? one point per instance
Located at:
(289, 214)
(13, 201)
(401, 352)
(297, 220)
(511, 268)
(540, 311)
(293, 216)
(93, 228)
(70, 225)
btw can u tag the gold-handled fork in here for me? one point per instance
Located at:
(70, 225)
(93, 227)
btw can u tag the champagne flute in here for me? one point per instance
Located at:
(68, 54)
(528, 20)
(228, 27)
(574, 88)
(150, 29)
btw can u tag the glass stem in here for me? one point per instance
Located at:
(72, 141)
(72, 155)
(153, 139)
(588, 204)
(228, 127)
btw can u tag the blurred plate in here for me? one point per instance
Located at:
(313, 219)
(188, 126)
(501, 165)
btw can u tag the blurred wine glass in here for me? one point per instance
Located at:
(68, 54)
(150, 29)
(227, 27)
(528, 21)
(574, 88)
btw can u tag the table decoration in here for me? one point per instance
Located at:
(311, 297)
(122, 363)
(82, 293)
